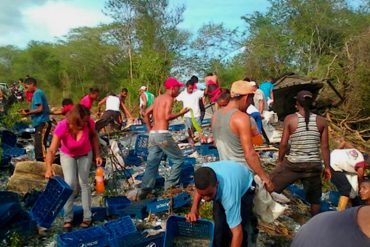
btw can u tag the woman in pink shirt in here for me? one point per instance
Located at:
(78, 142)
(88, 100)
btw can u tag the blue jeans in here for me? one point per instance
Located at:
(77, 168)
(159, 144)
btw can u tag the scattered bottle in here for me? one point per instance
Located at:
(99, 180)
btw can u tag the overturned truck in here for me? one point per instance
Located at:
(287, 87)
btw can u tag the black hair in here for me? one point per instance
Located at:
(224, 95)
(190, 82)
(30, 80)
(210, 74)
(306, 103)
(124, 90)
(194, 79)
(204, 177)
(21, 80)
(67, 101)
(94, 90)
(366, 179)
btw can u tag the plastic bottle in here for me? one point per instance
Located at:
(99, 180)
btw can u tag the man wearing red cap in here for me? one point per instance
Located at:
(160, 139)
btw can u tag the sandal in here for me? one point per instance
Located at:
(67, 226)
(86, 224)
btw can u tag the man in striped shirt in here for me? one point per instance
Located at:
(306, 132)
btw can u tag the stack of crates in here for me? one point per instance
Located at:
(51, 201)
(115, 205)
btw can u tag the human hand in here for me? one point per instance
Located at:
(98, 161)
(185, 110)
(270, 187)
(192, 217)
(49, 172)
(23, 112)
(327, 173)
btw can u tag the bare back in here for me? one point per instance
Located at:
(162, 108)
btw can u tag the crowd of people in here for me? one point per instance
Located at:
(230, 182)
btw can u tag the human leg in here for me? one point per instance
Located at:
(84, 165)
(222, 232)
(173, 152)
(249, 220)
(152, 164)
(312, 187)
(69, 167)
(39, 154)
(282, 177)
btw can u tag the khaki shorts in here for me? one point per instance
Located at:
(309, 173)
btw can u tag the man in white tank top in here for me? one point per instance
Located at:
(112, 112)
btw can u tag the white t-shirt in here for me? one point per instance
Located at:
(112, 103)
(345, 159)
(191, 101)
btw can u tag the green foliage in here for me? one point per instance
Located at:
(13, 115)
(206, 210)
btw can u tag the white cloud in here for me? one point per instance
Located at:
(43, 20)
(57, 18)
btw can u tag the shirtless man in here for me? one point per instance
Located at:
(160, 139)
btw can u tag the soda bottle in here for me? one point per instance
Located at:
(99, 180)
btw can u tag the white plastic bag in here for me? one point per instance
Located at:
(265, 208)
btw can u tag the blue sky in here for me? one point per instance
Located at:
(46, 20)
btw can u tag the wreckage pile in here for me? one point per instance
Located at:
(124, 166)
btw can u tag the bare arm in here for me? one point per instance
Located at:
(272, 95)
(125, 110)
(147, 115)
(169, 115)
(242, 124)
(96, 147)
(144, 101)
(101, 102)
(284, 140)
(194, 212)
(325, 149)
(237, 238)
(34, 111)
(50, 155)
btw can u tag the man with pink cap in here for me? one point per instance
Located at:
(160, 139)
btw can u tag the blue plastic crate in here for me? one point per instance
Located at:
(116, 204)
(181, 200)
(117, 230)
(334, 198)
(206, 149)
(138, 128)
(137, 209)
(325, 206)
(8, 210)
(8, 138)
(206, 122)
(97, 213)
(22, 224)
(12, 151)
(93, 236)
(133, 160)
(178, 227)
(137, 239)
(141, 146)
(158, 206)
(51, 201)
(8, 196)
(297, 192)
(176, 127)
(159, 182)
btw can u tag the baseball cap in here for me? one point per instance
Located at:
(172, 82)
(301, 95)
(144, 88)
(253, 83)
(241, 88)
